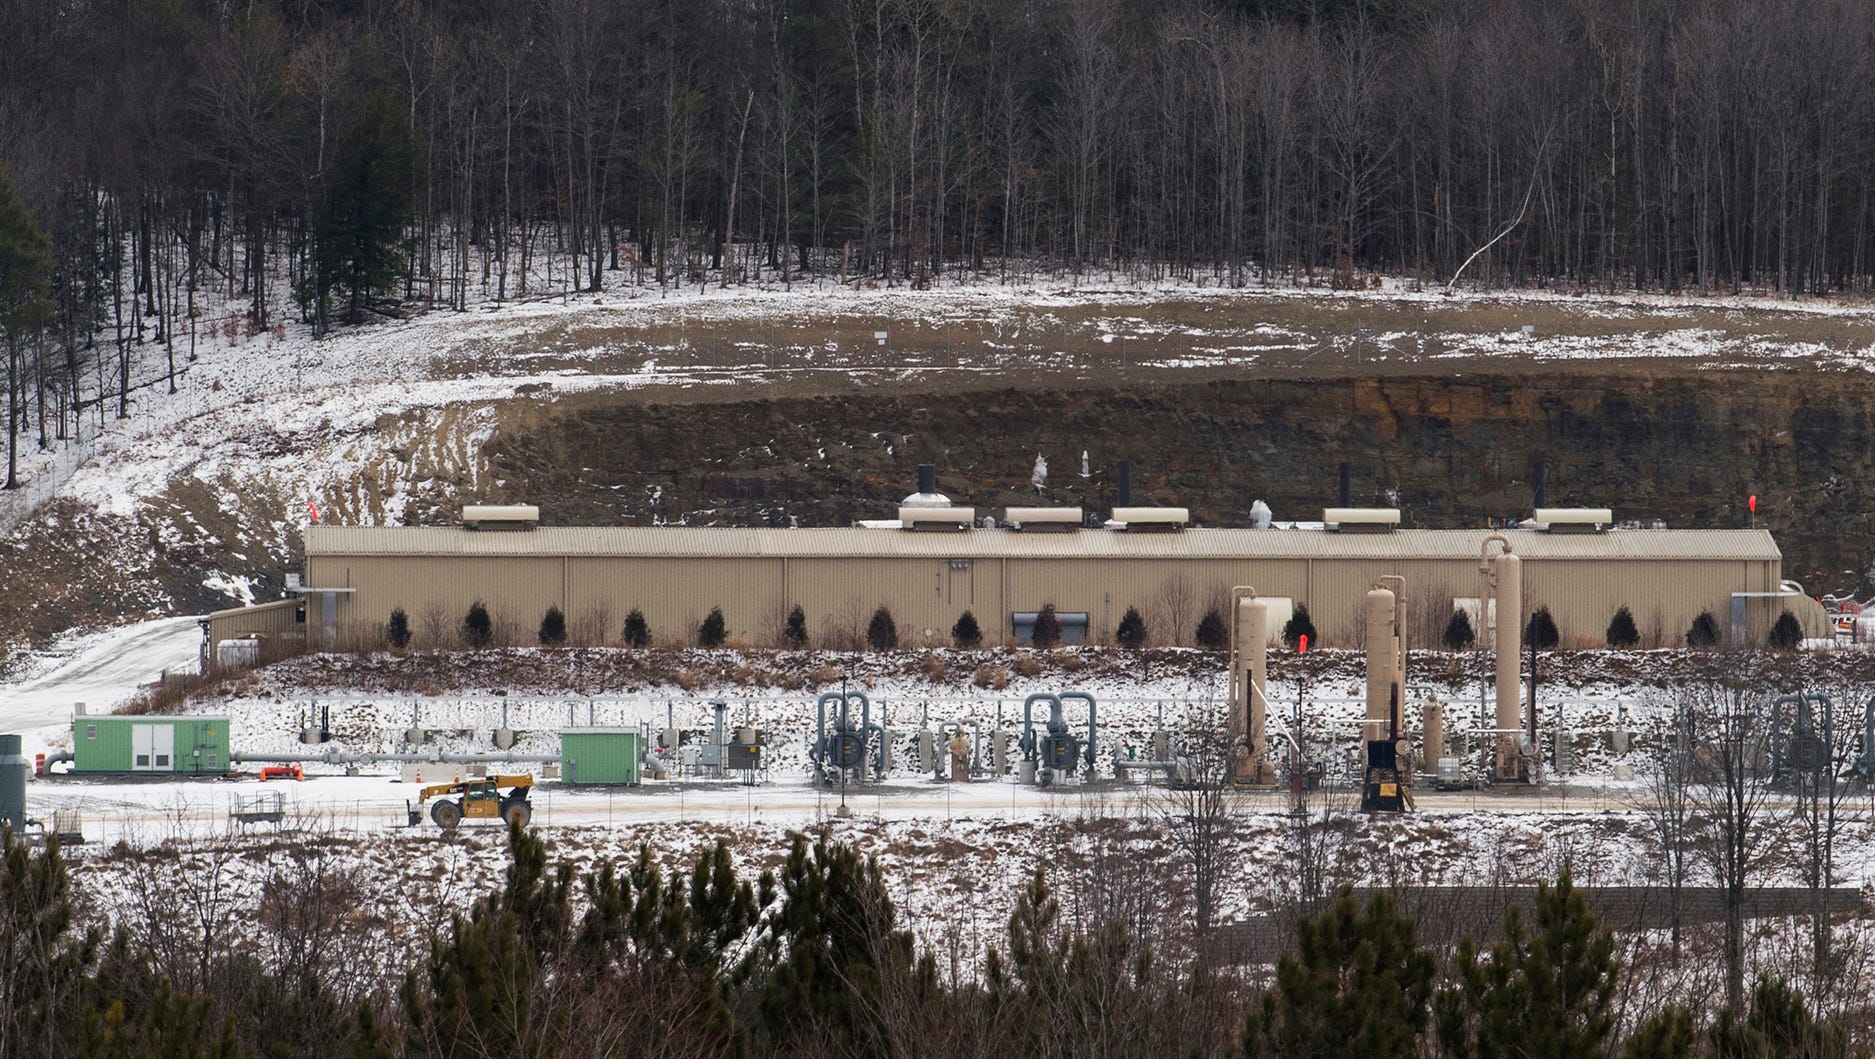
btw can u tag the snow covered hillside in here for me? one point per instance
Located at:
(196, 500)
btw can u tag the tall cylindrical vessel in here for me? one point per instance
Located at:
(1383, 662)
(14, 768)
(1433, 743)
(1250, 653)
(1508, 643)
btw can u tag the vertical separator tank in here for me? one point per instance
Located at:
(1504, 574)
(1383, 662)
(1249, 686)
(1432, 725)
(14, 768)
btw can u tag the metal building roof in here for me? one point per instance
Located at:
(725, 543)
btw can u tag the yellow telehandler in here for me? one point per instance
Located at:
(476, 799)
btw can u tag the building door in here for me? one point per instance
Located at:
(152, 748)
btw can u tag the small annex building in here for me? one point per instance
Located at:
(195, 746)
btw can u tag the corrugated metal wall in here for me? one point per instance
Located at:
(926, 595)
(276, 620)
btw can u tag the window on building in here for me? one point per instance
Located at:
(91, 731)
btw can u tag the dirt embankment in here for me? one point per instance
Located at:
(1450, 451)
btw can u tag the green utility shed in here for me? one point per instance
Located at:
(600, 755)
(196, 746)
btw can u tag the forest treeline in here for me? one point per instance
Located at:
(326, 158)
(811, 961)
(1650, 143)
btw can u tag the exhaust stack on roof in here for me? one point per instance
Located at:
(500, 516)
(927, 494)
(1125, 476)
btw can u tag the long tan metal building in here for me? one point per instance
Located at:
(356, 576)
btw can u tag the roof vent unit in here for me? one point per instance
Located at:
(1361, 519)
(1152, 519)
(1575, 519)
(1043, 519)
(942, 519)
(500, 516)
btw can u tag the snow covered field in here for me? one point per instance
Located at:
(955, 853)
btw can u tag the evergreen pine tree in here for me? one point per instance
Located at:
(1047, 631)
(120, 1025)
(1778, 1023)
(1298, 626)
(882, 631)
(829, 946)
(1546, 992)
(48, 957)
(1668, 1033)
(1458, 633)
(364, 205)
(397, 630)
(552, 628)
(636, 632)
(1132, 631)
(965, 633)
(477, 628)
(1704, 632)
(1786, 634)
(1622, 633)
(368, 1036)
(487, 987)
(25, 307)
(794, 634)
(1213, 634)
(1356, 985)
(713, 631)
(1540, 632)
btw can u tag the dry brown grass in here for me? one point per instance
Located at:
(169, 695)
(995, 678)
(936, 670)
(1029, 665)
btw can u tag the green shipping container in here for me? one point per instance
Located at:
(193, 746)
(600, 755)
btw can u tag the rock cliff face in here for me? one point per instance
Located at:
(1684, 448)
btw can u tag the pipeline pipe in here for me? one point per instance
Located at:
(1778, 736)
(817, 754)
(334, 757)
(1029, 750)
(1088, 754)
(1868, 729)
(865, 728)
